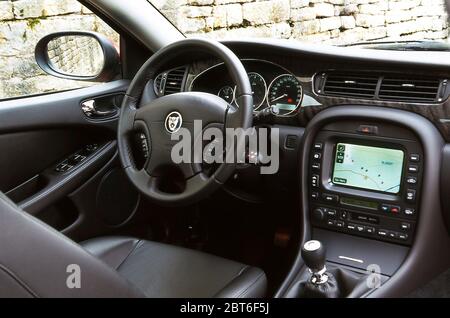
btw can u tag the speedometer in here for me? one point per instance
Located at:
(285, 94)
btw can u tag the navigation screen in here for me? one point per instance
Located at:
(365, 167)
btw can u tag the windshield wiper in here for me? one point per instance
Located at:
(417, 45)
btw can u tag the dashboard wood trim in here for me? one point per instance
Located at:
(305, 61)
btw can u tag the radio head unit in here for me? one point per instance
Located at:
(365, 185)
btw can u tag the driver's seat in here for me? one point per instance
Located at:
(38, 261)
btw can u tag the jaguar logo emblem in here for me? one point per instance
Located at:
(173, 122)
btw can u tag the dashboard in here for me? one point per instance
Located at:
(365, 148)
(308, 80)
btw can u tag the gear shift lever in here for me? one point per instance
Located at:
(321, 284)
(313, 254)
(318, 282)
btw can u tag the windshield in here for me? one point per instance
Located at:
(334, 22)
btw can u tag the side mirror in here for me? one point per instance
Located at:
(80, 56)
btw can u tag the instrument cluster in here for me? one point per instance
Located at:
(272, 86)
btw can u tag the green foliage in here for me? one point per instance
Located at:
(32, 23)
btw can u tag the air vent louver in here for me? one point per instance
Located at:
(350, 84)
(409, 89)
(174, 81)
(170, 82)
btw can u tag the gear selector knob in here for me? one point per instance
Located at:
(313, 254)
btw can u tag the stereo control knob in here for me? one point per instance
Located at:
(319, 214)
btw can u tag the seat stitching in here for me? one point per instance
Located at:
(241, 271)
(17, 279)
(244, 292)
(135, 247)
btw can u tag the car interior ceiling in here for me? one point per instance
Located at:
(336, 104)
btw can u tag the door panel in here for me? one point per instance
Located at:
(52, 185)
(26, 154)
(53, 155)
(56, 110)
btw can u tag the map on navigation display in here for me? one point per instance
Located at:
(367, 167)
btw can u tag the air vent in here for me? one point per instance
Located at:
(159, 89)
(170, 82)
(350, 85)
(409, 89)
(174, 81)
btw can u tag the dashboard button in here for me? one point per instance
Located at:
(385, 208)
(315, 180)
(367, 129)
(405, 226)
(317, 156)
(392, 235)
(351, 227)
(413, 168)
(316, 166)
(315, 195)
(409, 211)
(343, 215)
(330, 197)
(370, 230)
(411, 195)
(414, 157)
(340, 224)
(318, 146)
(411, 180)
(331, 222)
(331, 212)
(382, 233)
(394, 209)
(402, 236)
(360, 228)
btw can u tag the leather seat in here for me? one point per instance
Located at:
(161, 270)
(38, 261)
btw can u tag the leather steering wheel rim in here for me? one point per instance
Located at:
(198, 185)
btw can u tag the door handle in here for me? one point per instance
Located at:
(101, 107)
(90, 110)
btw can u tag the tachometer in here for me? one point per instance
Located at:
(259, 89)
(227, 93)
(285, 94)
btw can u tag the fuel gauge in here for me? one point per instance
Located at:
(227, 94)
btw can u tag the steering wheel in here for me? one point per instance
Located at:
(163, 116)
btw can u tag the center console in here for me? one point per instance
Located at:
(365, 180)
(370, 180)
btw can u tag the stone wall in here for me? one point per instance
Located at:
(22, 24)
(319, 21)
(76, 55)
